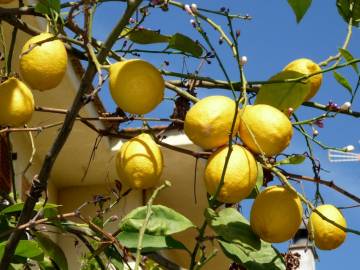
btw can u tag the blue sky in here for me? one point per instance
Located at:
(270, 41)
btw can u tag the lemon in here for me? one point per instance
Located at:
(136, 86)
(208, 122)
(240, 176)
(326, 235)
(271, 130)
(16, 103)
(276, 214)
(139, 162)
(306, 66)
(43, 66)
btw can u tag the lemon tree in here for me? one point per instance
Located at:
(175, 105)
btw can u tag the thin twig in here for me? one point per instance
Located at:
(344, 46)
(33, 152)
(146, 221)
(28, 129)
(327, 183)
(181, 92)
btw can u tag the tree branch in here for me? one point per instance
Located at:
(329, 184)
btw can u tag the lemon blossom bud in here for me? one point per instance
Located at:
(349, 148)
(290, 111)
(194, 8)
(188, 9)
(346, 106)
(113, 218)
(243, 60)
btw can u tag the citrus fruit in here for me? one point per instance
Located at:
(326, 235)
(265, 129)
(276, 214)
(43, 65)
(139, 162)
(306, 67)
(208, 122)
(136, 86)
(240, 176)
(16, 103)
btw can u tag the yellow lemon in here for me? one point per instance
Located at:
(265, 129)
(276, 214)
(326, 235)
(240, 176)
(43, 66)
(136, 86)
(16, 103)
(208, 122)
(139, 162)
(306, 66)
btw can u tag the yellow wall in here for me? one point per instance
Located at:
(72, 197)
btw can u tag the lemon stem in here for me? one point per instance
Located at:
(181, 92)
(146, 221)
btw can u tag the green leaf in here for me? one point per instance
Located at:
(26, 249)
(343, 7)
(343, 81)
(348, 57)
(98, 221)
(284, 95)
(144, 36)
(185, 44)
(48, 6)
(51, 249)
(12, 208)
(69, 226)
(5, 226)
(150, 242)
(294, 159)
(14, 266)
(19, 206)
(114, 257)
(163, 221)
(230, 225)
(299, 7)
(259, 182)
(266, 258)
(50, 212)
(47, 264)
